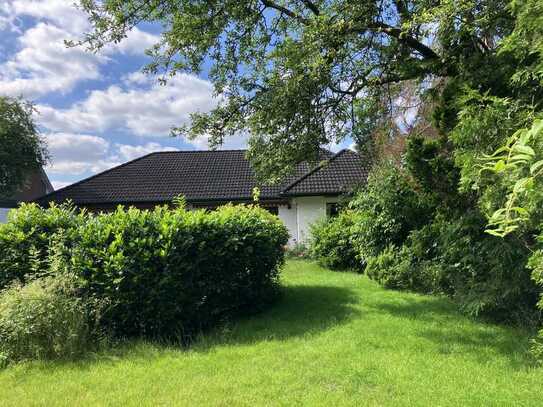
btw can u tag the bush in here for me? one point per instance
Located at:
(397, 269)
(387, 268)
(487, 275)
(43, 320)
(536, 265)
(171, 273)
(25, 239)
(484, 274)
(390, 208)
(332, 241)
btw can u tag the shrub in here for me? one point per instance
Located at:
(26, 237)
(332, 241)
(387, 267)
(484, 274)
(170, 273)
(536, 265)
(487, 275)
(43, 320)
(396, 268)
(390, 208)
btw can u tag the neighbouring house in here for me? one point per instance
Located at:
(208, 179)
(36, 186)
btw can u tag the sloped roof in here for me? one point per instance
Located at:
(220, 175)
(339, 174)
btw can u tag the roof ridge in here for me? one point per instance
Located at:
(314, 170)
(93, 176)
(197, 151)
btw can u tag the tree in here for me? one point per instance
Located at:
(301, 73)
(22, 150)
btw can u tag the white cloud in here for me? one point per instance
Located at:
(139, 106)
(135, 43)
(42, 63)
(74, 154)
(128, 152)
(64, 146)
(60, 184)
(60, 12)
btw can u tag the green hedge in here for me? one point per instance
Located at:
(26, 238)
(397, 269)
(162, 273)
(172, 273)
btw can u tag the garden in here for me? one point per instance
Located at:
(332, 338)
(72, 281)
(425, 289)
(178, 307)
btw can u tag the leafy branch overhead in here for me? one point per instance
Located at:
(298, 74)
(520, 163)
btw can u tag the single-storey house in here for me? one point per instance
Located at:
(36, 186)
(208, 179)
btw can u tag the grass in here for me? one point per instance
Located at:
(334, 339)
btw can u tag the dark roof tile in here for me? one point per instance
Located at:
(201, 176)
(339, 174)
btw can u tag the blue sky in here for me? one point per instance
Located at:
(95, 111)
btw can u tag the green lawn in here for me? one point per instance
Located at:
(334, 339)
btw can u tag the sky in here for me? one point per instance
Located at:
(95, 111)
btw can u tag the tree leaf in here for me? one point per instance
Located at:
(535, 167)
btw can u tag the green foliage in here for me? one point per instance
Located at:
(390, 209)
(171, 273)
(487, 274)
(163, 273)
(525, 43)
(44, 319)
(484, 124)
(430, 163)
(22, 150)
(536, 265)
(333, 241)
(519, 166)
(25, 240)
(389, 268)
(397, 269)
(293, 72)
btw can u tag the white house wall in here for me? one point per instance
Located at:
(309, 209)
(287, 213)
(4, 214)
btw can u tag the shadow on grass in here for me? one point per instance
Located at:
(302, 310)
(452, 332)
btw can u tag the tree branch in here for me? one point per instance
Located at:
(284, 10)
(402, 9)
(312, 6)
(357, 85)
(404, 38)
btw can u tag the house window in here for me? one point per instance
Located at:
(274, 210)
(332, 209)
